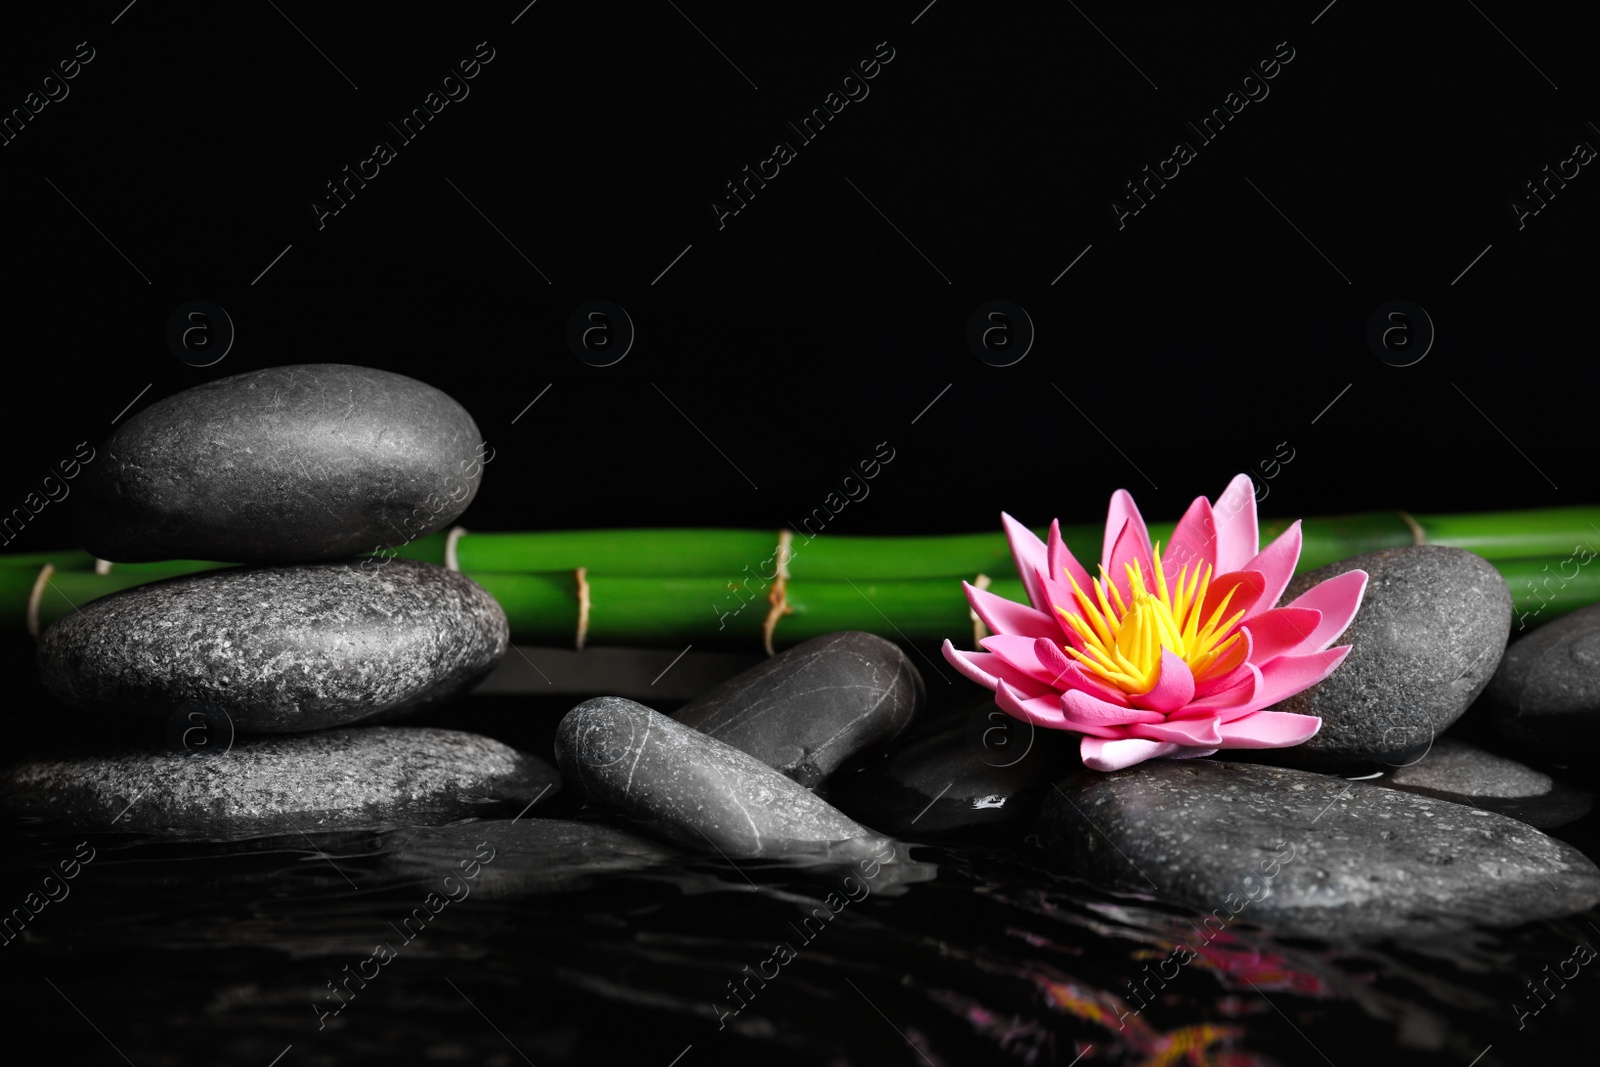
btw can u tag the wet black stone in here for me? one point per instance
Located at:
(281, 465)
(1462, 772)
(1310, 853)
(689, 788)
(1545, 698)
(808, 709)
(1429, 634)
(329, 780)
(967, 774)
(279, 648)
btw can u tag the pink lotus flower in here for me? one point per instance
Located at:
(1171, 657)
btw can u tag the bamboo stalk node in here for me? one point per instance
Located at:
(33, 599)
(785, 551)
(979, 630)
(1418, 534)
(450, 540)
(583, 605)
(780, 608)
(778, 596)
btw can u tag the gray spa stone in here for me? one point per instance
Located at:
(1545, 698)
(281, 465)
(330, 780)
(279, 648)
(811, 707)
(1462, 772)
(689, 788)
(1310, 853)
(1428, 636)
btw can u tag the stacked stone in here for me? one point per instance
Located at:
(312, 476)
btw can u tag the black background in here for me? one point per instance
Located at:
(1222, 326)
(1180, 349)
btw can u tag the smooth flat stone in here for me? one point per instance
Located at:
(279, 648)
(1309, 853)
(281, 465)
(974, 773)
(1462, 772)
(808, 709)
(1545, 697)
(689, 788)
(1427, 638)
(333, 779)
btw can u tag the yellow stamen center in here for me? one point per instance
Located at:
(1122, 640)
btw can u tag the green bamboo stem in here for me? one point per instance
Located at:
(751, 555)
(742, 554)
(635, 610)
(1540, 531)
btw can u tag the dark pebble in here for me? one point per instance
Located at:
(282, 465)
(689, 788)
(969, 774)
(1310, 853)
(330, 780)
(1545, 698)
(1429, 634)
(1462, 772)
(279, 648)
(808, 709)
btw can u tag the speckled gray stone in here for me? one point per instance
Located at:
(333, 779)
(279, 648)
(974, 773)
(811, 707)
(1466, 774)
(1545, 697)
(1430, 631)
(282, 465)
(692, 789)
(1310, 853)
